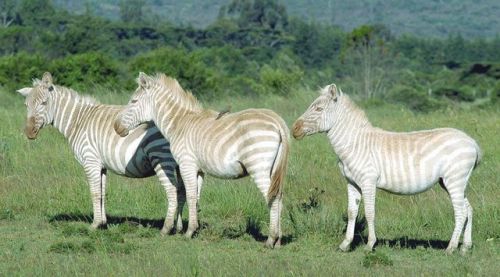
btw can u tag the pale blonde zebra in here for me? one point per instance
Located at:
(88, 126)
(401, 163)
(232, 145)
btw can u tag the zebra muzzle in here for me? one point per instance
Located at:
(31, 131)
(298, 130)
(119, 129)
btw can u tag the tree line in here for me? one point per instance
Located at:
(253, 48)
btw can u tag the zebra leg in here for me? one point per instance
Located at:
(181, 200)
(353, 199)
(456, 192)
(368, 192)
(274, 238)
(263, 181)
(468, 228)
(97, 178)
(166, 176)
(190, 177)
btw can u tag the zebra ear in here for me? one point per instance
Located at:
(47, 79)
(24, 91)
(333, 91)
(143, 80)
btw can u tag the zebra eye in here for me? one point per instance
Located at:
(44, 102)
(133, 101)
(319, 109)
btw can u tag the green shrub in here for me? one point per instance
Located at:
(84, 70)
(17, 71)
(188, 68)
(282, 75)
(416, 100)
(455, 94)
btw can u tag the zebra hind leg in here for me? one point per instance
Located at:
(274, 238)
(468, 228)
(263, 182)
(189, 175)
(460, 210)
(167, 180)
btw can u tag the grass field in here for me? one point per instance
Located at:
(45, 210)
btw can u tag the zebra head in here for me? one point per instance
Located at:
(139, 109)
(38, 104)
(318, 117)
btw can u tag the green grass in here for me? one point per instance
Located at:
(45, 210)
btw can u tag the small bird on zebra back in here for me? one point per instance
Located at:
(88, 127)
(251, 142)
(398, 162)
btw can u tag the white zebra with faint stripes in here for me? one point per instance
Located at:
(88, 127)
(401, 163)
(227, 145)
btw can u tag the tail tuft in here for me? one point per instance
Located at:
(280, 165)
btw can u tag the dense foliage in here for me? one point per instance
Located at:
(252, 48)
(427, 18)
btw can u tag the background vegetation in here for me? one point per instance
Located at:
(259, 53)
(252, 48)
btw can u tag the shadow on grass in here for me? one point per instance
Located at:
(254, 230)
(152, 223)
(402, 242)
(252, 227)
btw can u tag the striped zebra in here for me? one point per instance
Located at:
(88, 126)
(252, 142)
(401, 163)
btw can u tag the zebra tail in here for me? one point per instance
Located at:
(479, 154)
(278, 171)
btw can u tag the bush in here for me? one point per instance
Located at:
(85, 70)
(282, 76)
(455, 94)
(17, 71)
(415, 100)
(188, 68)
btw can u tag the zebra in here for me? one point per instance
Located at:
(252, 142)
(88, 127)
(400, 163)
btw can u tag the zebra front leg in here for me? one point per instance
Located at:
(190, 177)
(166, 176)
(368, 192)
(96, 177)
(353, 199)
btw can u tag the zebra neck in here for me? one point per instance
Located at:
(67, 113)
(171, 120)
(346, 132)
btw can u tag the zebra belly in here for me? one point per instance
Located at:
(406, 184)
(232, 170)
(127, 156)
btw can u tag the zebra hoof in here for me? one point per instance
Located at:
(95, 226)
(166, 231)
(272, 243)
(368, 248)
(179, 228)
(450, 250)
(345, 246)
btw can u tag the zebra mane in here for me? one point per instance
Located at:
(351, 109)
(173, 86)
(83, 99)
